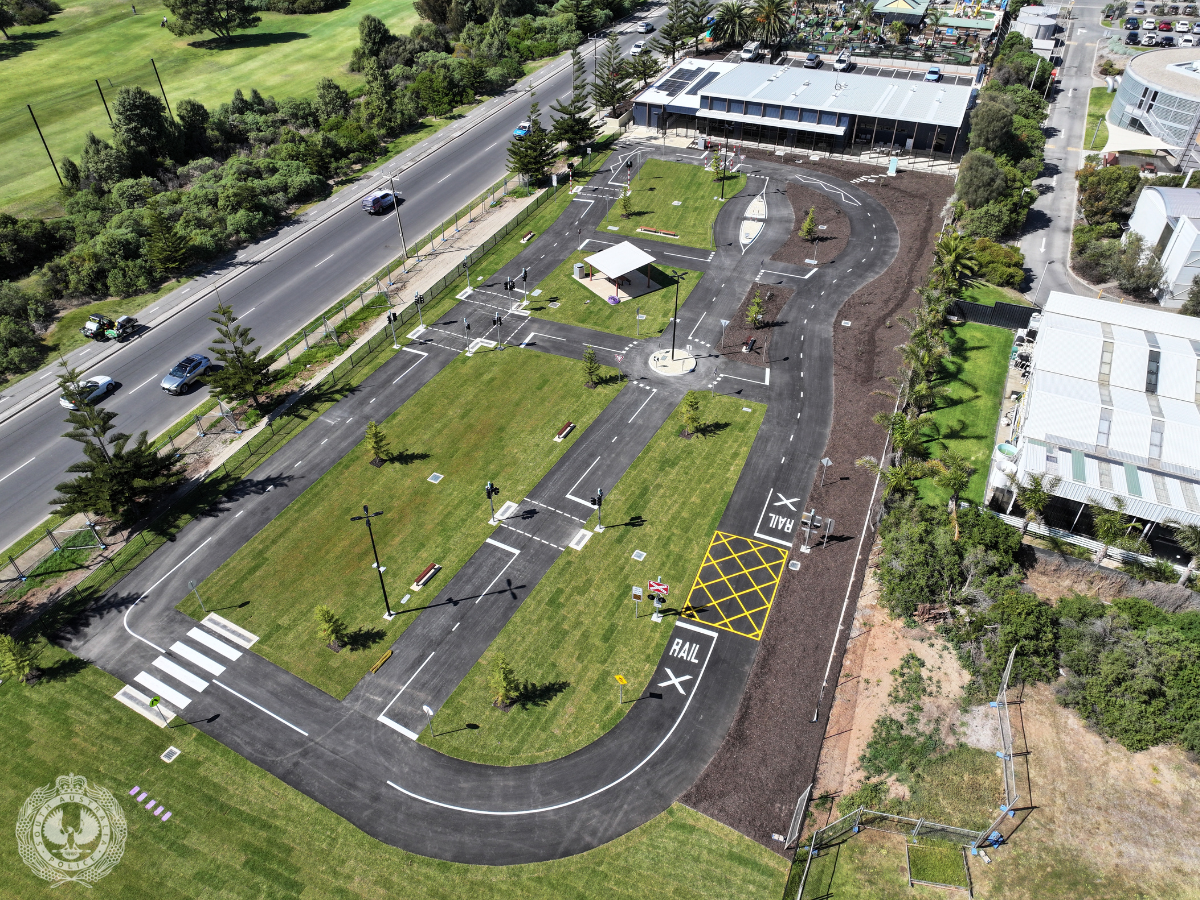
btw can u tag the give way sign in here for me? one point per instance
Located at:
(658, 587)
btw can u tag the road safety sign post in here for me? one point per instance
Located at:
(621, 682)
(637, 599)
(659, 589)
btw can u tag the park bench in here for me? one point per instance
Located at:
(427, 576)
(563, 432)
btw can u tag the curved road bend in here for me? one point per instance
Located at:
(358, 757)
(275, 295)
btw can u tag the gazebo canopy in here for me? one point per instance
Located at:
(619, 260)
(1127, 139)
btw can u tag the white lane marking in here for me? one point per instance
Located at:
(260, 707)
(698, 321)
(216, 644)
(180, 674)
(144, 383)
(681, 256)
(674, 680)
(456, 624)
(571, 493)
(640, 408)
(683, 623)
(250, 310)
(125, 618)
(420, 353)
(168, 693)
(522, 812)
(238, 513)
(197, 658)
(407, 683)
(443, 178)
(20, 467)
(298, 464)
(326, 259)
(411, 735)
(512, 550)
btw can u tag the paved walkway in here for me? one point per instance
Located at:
(358, 757)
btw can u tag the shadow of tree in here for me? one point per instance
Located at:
(364, 638)
(712, 429)
(24, 42)
(406, 457)
(532, 694)
(240, 41)
(63, 669)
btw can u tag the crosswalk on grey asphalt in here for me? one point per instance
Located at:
(176, 681)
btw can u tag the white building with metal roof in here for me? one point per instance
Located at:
(795, 107)
(1112, 408)
(1168, 221)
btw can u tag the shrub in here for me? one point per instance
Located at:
(1000, 264)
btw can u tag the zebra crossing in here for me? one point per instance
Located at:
(185, 670)
(861, 178)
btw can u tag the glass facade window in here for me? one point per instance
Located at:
(753, 108)
(809, 116)
(718, 103)
(771, 112)
(736, 106)
(791, 114)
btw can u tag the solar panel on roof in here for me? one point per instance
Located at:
(708, 77)
(678, 81)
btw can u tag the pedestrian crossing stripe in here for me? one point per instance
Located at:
(736, 584)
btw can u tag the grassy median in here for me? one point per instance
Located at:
(576, 631)
(659, 185)
(490, 417)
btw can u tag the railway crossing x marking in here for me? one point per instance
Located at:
(675, 680)
(784, 501)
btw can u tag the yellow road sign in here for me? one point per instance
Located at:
(621, 679)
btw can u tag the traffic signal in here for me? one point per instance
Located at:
(525, 274)
(491, 490)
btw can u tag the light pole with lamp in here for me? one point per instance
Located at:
(367, 516)
(1038, 292)
(675, 321)
(396, 209)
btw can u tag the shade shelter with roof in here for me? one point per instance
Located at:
(616, 265)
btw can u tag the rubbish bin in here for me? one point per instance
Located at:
(578, 271)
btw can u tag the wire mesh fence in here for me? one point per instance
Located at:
(55, 551)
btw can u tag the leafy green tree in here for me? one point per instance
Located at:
(980, 179)
(645, 67)
(243, 373)
(898, 480)
(689, 411)
(374, 36)
(1191, 306)
(1104, 193)
(697, 12)
(952, 473)
(140, 126)
(1034, 495)
(330, 627)
(1187, 536)
(16, 658)
(1139, 273)
(167, 245)
(379, 96)
(991, 128)
(584, 13)
(1113, 528)
(611, 85)
(754, 311)
(332, 100)
(808, 229)
(502, 682)
(734, 23)
(377, 442)
(591, 368)
(221, 17)
(627, 208)
(7, 21)
(531, 155)
(572, 125)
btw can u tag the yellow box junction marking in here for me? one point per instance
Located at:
(736, 584)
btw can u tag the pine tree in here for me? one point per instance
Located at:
(584, 13)
(90, 424)
(611, 86)
(689, 411)
(531, 155)
(167, 246)
(377, 441)
(808, 231)
(502, 682)
(331, 628)
(572, 125)
(627, 209)
(16, 658)
(591, 368)
(242, 372)
(674, 32)
(645, 67)
(697, 12)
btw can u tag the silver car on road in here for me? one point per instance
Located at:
(180, 379)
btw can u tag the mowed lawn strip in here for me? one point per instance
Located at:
(966, 417)
(655, 188)
(491, 417)
(237, 832)
(989, 295)
(576, 631)
(579, 306)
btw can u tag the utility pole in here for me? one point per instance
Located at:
(102, 100)
(164, 91)
(44, 144)
(396, 209)
(675, 321)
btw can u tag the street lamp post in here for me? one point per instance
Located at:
(396, 209)
(675, 320)
(367, 516)
(1038, 292)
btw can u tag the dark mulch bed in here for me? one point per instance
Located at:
(770, 755)
(738, 332)
(830, 242)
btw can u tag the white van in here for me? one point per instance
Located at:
(752, 51)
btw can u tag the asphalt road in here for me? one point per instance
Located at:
(1046, 240)
(275, 293)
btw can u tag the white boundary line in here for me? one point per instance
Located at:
(24, 464)
(570, 495)
(260, 707)
(588, 796)
(639, 409)
(513, 550)
(406, 684)
(767, 537)
(125, 618)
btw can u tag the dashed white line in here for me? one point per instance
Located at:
(20, 467)
(298, 464)
(326, 259)
(144, 383)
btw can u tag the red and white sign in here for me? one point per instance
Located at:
(658, 587)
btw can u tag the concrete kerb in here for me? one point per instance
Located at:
(549, 72)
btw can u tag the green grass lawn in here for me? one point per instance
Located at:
(656, 188)
(1099, 103)
(577, 629)
(52, 67)
(937, 862)
(490, 417)
(989, 295)
(967, 416)
(579, 306)
(237, 832)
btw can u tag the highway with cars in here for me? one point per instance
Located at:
(274, 286)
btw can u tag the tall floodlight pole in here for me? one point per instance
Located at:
(44, 144)
(396, 208)
(675, 320)
(367, 516)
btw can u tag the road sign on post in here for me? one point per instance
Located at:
(637, 598)
(659, 587)
(621, 682)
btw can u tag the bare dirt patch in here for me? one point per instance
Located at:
(735, 336)
(831, 239)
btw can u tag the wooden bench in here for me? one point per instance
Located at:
(563, 432)
(427, 576)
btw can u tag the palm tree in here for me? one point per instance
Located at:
(1112, 528)
(954, 257)
(904, 431)
(933, 19)
(897, 479)
(1034, 496)
(734, 23)
(924, 395)
(1187, 537)
(771, 22)
(953, 473)
(898, 30)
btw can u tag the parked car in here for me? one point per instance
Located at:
(1164, 26)
(1131, 24)
(1166, 40)
(639, 48)
(96, 326)
(1132, 39)
(644, 27)
(1172, 10)
(378, 201)
(1149, 39)
(1150, 24)
(934, 73)
(844, 62)
(812, 61)
(1187, 41)
(124, 327)
(1182, 27)
(751, 51)
(181, 378)
(1189, 10)
(523, 129)
(95, 388)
